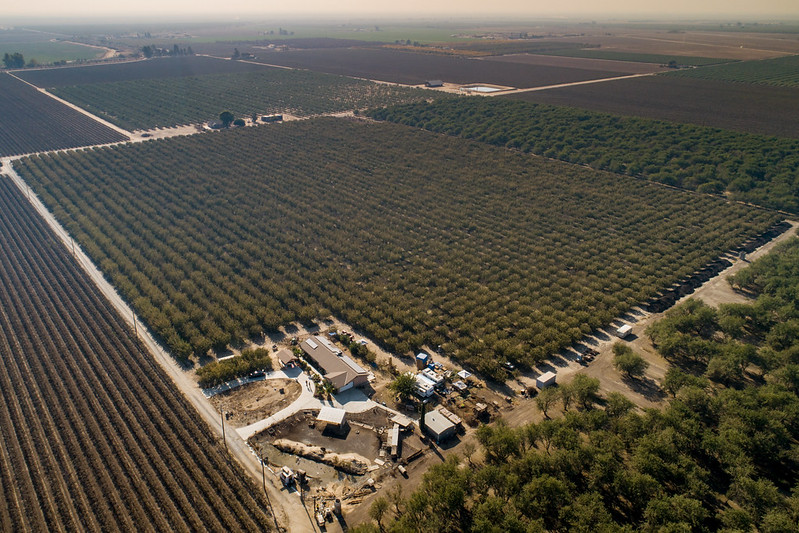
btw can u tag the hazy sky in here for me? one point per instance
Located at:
(675, 9)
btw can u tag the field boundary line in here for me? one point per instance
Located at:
(291, 509)
(284, 67)
(572, 84)
(79, 109)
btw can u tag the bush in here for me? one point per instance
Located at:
(220, 372)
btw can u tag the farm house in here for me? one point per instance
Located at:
(339, 369)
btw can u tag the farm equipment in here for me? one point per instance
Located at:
(587, 357)
(287, 476)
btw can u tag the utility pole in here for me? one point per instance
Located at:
(222, 411)
(263, 469)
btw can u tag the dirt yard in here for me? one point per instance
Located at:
(257, 400)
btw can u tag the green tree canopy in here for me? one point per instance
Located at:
(404, 385)
(227, 118)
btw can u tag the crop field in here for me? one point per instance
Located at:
(95, 436)
(779, 72)
(616, 67)
(418, 239)
(145, 104)
(658, 59)
(751, 168)
(746, 108)
(50, 52)
(690, 42)
(151, 69)
(411, 68)
(34, 122)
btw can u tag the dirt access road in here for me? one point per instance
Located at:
(644, 392)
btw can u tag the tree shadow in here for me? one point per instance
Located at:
(275, 336)
(646, 387)
(601, 334)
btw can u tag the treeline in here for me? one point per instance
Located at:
(218, 372)
(158, 51)
(15, 60)
(721, 456)
(746, 167)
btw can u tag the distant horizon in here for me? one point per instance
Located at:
(453, 11)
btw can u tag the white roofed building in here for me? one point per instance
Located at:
(338, 369)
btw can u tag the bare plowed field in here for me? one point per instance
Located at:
(625, 67)
(409, 68)
(34, 122)
(94, 435)
(152, 69)
(721, 44)
(748, 108)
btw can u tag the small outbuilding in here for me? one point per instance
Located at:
(422, 360)
(286, 358)
(438, 426)
(333, 418)
(545, 380)
(434, 83)
(623, 331)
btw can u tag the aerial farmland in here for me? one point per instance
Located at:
(399, 277)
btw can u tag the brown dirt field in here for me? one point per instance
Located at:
(725, 45)
(742, 107)
(625, 67)
(410, 68)
(257, 400)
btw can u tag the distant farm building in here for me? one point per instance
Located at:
(338, 369)
(434, 83)
(439, 426)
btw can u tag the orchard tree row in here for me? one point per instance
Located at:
(751, 168)
(34, 122)
(418, 239)
(95, 435)
(721, 456)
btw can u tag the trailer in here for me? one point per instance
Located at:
(623, 331)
